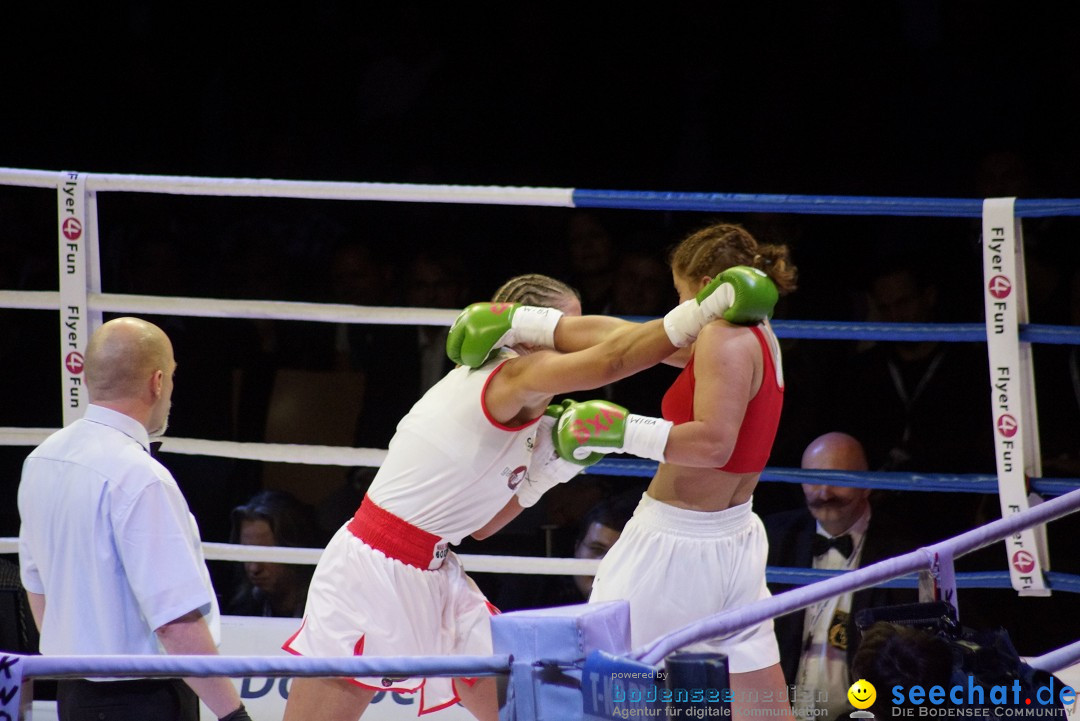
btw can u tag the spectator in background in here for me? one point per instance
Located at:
(642, 289)
(832, 532)
(901, 397)
(361, 276)
(599, 529)
(891, 654)
(434, 279)
(908, 652)
(274, 518)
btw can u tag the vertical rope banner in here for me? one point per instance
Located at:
(1004, 301)
(71, 220)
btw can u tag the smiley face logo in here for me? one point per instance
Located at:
(862, 694)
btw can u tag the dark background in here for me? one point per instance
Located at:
(884, 98)
(898, 98)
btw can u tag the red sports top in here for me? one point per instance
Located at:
(758, 429)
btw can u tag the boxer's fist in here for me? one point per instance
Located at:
(586, 431)
(740, 294)
(546, 468)
(754, 295)
(483, 328)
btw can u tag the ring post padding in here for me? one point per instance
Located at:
(1010, 394)
(942, 574)
(617, 687)
(699, 685)
(547, 647)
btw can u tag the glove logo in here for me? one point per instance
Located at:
(585, 428)
(500, 308)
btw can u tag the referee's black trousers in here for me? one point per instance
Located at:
(164, 699)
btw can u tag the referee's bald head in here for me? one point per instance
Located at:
(122, 356)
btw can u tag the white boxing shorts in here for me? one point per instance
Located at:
(368, 600)
(676, 567)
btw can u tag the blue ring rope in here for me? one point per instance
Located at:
(968, 579)
(885, 480)
(946, 332)
(812, 204)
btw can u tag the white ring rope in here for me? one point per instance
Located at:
(226, 308)
(318, 190)
(477, 563)
(271, 452)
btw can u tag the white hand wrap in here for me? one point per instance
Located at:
(685, 321)
(535, 326)
(646, 437)
(546, 469)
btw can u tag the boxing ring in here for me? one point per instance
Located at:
(548, 674)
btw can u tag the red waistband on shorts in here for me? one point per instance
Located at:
(397, 538)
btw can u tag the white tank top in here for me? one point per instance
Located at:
(450, 467)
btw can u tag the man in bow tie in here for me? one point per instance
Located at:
(833, 532)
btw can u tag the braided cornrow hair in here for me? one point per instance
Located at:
(719, 246)
(535, 289)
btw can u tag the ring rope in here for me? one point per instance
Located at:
(1058, 659)
(965, 579)
(546, 566)
(202, 665)
(542, 196)
(429, 666)
(379, 315)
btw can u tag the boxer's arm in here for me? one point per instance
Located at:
(724, 367)
(508, 513)
(531, 380)
(37, 607)
(581, 332)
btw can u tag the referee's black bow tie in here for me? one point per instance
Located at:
(822, 544)
(154, 446)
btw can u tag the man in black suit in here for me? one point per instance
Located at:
(832, 532)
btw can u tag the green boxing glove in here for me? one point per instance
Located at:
(482, 329)
(586, 431)
(740, 294)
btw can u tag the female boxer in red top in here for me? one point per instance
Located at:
(694, 546)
